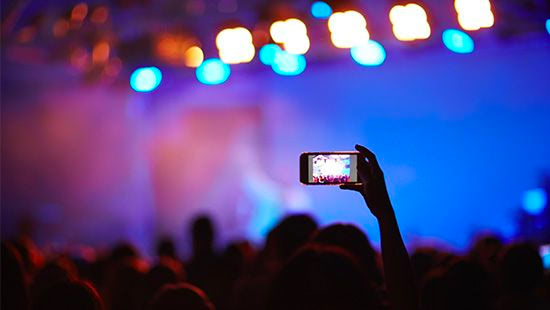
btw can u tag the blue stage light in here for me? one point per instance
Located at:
(145, 79)
(370, 54)
(213, 71)
(267, 53)
(288, 64)
(458, 41)
(320, 9)
(534, 201)
(548, 25)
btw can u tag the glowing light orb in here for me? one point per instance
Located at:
(534, 201)
(100, 53)
(548, 25)
(235, 45)
(370, 54)
(79, 12)
(292, 34)
(409, 22)
(145, 79)
(267, 53)
(348, 29)
(458, 41)
(193, 57)
(321, 10)
(544, 252)
(474, 14)
(288, 64)
(213, 71)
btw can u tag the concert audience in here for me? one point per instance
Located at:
(301, 266)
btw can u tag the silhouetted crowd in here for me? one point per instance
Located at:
(301, 266)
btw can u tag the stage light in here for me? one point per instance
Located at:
(548, 25)
(534, 201)
(100, 53)
(80, 58)
(370, 54)
(409, 22)
(193, 57)
(145, 79)
(60, 28)
(348, 29)
(79, 12)
(213, 71)
(292, 34)
(474, 14)
(321, 10)
(458, 41)
(235, 45)
(288, 64)
(267, 53)
(100, 15)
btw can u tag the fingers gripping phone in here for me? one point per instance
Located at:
(329, 168)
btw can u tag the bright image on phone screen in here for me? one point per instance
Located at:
(332, 168)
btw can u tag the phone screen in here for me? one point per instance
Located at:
(332, 168)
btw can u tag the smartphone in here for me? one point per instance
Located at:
(329, 168)
(544, 251)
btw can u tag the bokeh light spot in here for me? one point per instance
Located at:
(458, 41)
(288, 64)
(474, 14)
(193, 57)
(321, 10)
(534, 201)
(145, 79)
(370, 54)
(409, 22)
(213, 71)
(267, 53)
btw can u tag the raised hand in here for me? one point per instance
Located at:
(373, 187)
(398, 272)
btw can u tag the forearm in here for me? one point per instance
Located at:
(398, 271)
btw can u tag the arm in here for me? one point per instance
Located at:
(398, 271)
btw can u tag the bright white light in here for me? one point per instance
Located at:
(235, 45)
(292, 34)
(474, 14)
(348, 29)
(410, 22)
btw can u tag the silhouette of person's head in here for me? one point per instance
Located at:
(290, 234)
(59, 270)
(125, 285)
(14, 290)
(166, 247)
(167, 271)
(122, 251)
(485, 250)
(352, 239)
(202, 231)
(179, 297)
(467, 286)
(68, 296)
(520, 268)
(322, 277)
